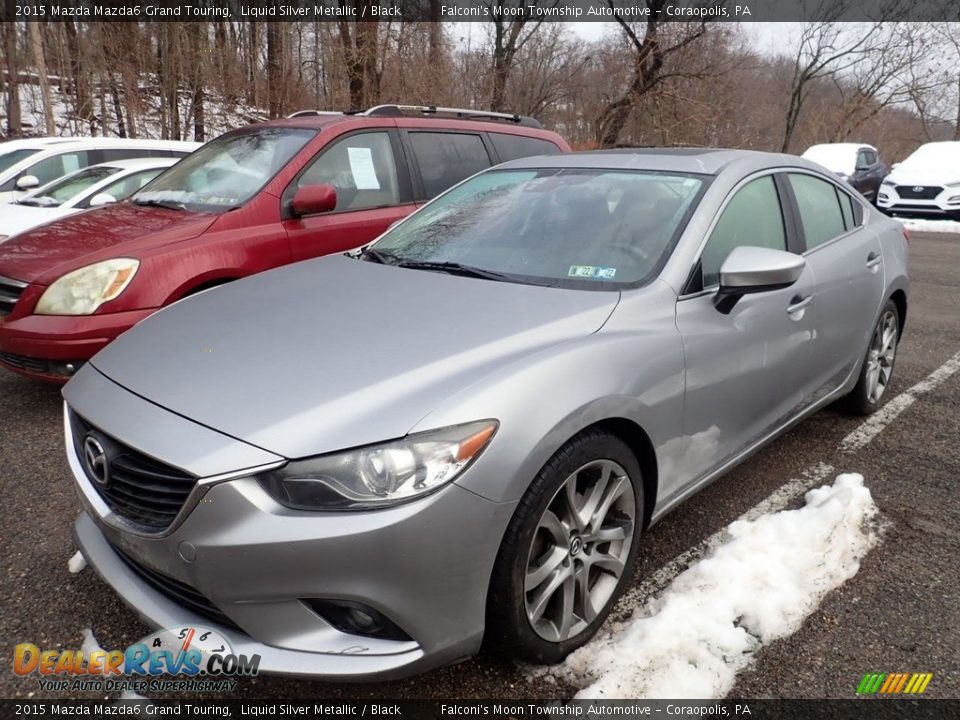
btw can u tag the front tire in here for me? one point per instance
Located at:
(877, 370)
(569, 550)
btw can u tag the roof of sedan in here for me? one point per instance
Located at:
(707, 161)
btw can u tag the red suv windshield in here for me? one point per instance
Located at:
(226, 172)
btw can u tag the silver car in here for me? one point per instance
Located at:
(361, 466)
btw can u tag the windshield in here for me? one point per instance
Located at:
(9, 159)
(60, 191)
(582, 228)
(226, 172)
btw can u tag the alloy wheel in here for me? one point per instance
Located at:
(881, 356)
(579, 550)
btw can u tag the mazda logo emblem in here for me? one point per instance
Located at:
(95, 458)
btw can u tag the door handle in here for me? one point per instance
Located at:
(799, 303)
(873, 260)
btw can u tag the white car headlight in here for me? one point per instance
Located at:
(379, 475)
(888, 182)
(82, 291)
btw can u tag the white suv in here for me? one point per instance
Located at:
(925, 184)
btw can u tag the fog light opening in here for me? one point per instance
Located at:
(356, 618)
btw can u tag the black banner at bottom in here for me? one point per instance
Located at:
(854, 709)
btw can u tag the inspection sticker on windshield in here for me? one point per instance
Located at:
(591, 272)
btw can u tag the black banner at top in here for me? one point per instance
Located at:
(480, 10)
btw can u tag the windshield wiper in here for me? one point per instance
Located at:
(454, 268)
(169, 204)
(378, 256)
(37, 202)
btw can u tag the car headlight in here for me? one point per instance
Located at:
(888, 181)
(379, 475)
(82, 291)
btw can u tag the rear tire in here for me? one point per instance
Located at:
(877, 370)
(569, 550)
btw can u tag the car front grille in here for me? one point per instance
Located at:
(138, 488)
(179, 592)
(917, 192)
(27, 364)
(10, 292)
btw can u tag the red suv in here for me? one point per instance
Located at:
(253, 199)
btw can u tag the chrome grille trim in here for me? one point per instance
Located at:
(10, 292)
(143, 491)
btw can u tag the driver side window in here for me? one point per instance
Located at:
(362, 170)
(752, 217)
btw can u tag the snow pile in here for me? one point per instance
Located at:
(77, 563)
(923, 225)
(758, 582)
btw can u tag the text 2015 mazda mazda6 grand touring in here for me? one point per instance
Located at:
(358, 466)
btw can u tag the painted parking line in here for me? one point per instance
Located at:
(686, 632)
(873, 425)
(780, 498)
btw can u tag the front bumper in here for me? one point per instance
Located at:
(43, 346)
(945, 203)
(425, 565)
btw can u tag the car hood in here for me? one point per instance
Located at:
(335, 353)
(924, 176)
(18, 218)
(47, 252)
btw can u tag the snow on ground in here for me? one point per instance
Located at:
(758, 582)
(77, 563)
(923, 225)
(221, 114)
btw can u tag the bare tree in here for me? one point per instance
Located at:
(651, 44)
(509, 38)
(12, 61)
(40, 65)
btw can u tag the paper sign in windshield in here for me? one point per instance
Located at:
(361, 165)
(591, 272)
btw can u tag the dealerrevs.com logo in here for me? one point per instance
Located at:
(188, 658)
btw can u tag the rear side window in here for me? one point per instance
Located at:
(753, 217)
(362, 170)
(846, 207)
(820, 211)
(511, 147)
(447, 158)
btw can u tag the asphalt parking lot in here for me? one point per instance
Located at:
(900, 613)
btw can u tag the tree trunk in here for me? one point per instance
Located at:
(14, 122)
(275, 99)
(117, 108)
(40, 65)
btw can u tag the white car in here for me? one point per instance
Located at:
(925, 184)
(62, 158)
(88, 188)
(15, 151)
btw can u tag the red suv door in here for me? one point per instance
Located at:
(368, 171)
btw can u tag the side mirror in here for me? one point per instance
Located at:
(102, 199)
(28, 182)
(313, 199)
(750, 270)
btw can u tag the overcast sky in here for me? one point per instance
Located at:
(768, 36)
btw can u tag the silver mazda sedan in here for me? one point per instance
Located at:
(360, 466)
